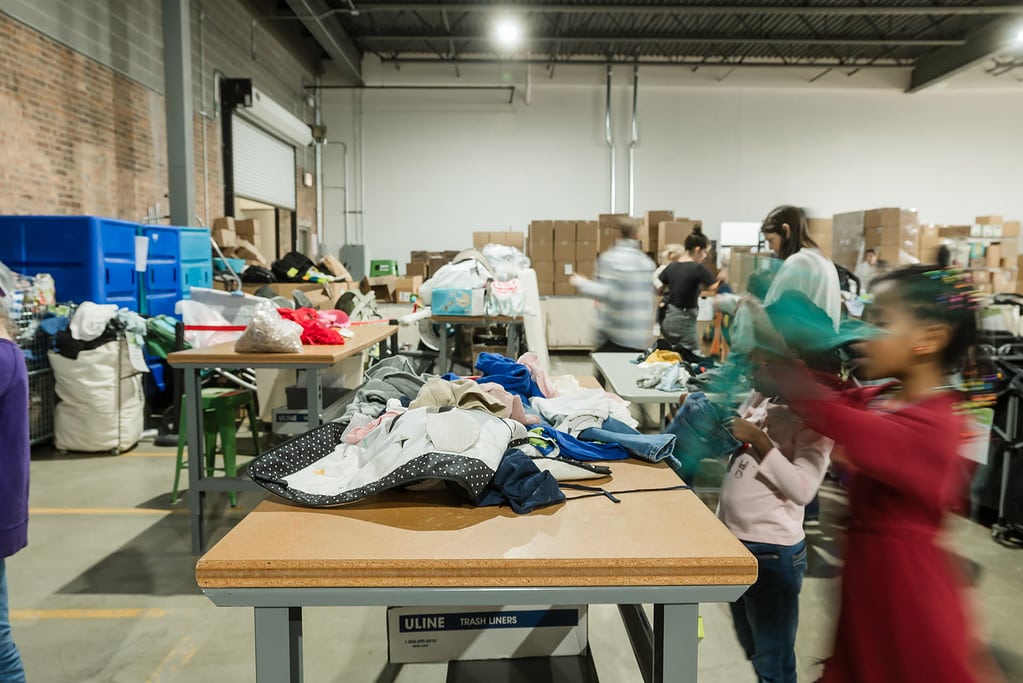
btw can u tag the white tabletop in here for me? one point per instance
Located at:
(621, 374)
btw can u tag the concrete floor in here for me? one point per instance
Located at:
(106, 593)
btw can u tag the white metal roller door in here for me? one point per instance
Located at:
(264, 167)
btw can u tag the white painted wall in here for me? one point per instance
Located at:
(438, 165)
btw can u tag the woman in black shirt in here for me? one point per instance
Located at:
(684, 280)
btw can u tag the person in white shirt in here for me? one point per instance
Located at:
(867, 270)
(805, 269)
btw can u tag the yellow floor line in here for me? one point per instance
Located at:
(103, 511)
(179, 657)
(130, 613)
(151, 454)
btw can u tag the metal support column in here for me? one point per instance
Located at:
(177, 75)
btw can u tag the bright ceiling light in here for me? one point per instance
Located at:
(508, 33)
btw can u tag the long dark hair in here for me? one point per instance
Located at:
(799, 232)
(932, 294)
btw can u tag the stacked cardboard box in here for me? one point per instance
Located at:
(425, 264)
(510, 239)
(847, 238)
(649, 228)
(559, 249)
(821, 231)
(540, 248)
(674, 231)
(606, 223)
(894, 234)
(238, 238)
(564, 257)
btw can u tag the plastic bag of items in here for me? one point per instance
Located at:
(506, 298)
(505, 261)
(268, 332)
(468, 270)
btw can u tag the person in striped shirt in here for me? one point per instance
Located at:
(624, 291)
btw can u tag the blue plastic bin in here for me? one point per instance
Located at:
(178, 259)
(90, 258)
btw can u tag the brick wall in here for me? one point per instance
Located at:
(78, 136)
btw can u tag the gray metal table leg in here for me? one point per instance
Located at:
(676, 635)
(194, 431)
(314, 396)
(278, 644)
(442, 356)
(513, 341)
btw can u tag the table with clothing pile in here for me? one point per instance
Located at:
(418, 496)
(312, 359)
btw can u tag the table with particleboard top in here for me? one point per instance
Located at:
(659, 545)
(312, 359)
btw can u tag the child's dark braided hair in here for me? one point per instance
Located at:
(943, 296)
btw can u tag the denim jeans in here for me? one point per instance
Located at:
(650, 447)
(11, 670)
(700, 433)
(767, 615)
(679, 327)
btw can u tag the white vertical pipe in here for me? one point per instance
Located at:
(634, 141)
(608, 137)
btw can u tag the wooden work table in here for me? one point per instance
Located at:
(429, 548)
(312, 359)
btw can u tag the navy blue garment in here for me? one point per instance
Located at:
(514, 377)
(572, 447)
(767, 615)
(520, 483)
(650, 447)
(700, 432)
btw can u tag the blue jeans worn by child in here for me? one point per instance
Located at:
(767, 615)
(700, 432)
(11, 670)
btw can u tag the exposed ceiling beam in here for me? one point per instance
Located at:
(326, 28)
(674, 39)
(997, 36)
(629, 61)
(605, 8)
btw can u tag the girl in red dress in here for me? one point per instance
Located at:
(903, 617)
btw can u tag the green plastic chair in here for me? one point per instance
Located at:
(219, 409)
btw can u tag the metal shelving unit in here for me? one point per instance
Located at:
(42, 397)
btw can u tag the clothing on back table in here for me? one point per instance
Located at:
(684, 280)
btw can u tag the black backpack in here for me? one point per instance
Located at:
(257, 274)
(292, 266)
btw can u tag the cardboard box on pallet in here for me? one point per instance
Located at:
(565, 289)
(989, 220)
(544, 271)
(606, 223)
(586, 268)
(416, 268)
(435, 264)
(649, 228)
(564, 251)
(563, 270)
(1003, 281)
(585, 252)
(889, 217)
(540, 245)
(545, 287)
(847, 238)
(674, 232)
(1010, 229)
(480, 239)
(564, 231)
(587, 231)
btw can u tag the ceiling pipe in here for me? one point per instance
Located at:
(634, 140)
(815, 64)
(609, 138)
(628, 8)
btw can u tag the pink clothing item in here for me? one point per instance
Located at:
(513, 401)
(531, 361)
(763, 503)
(354, 435)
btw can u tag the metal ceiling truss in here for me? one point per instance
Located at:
(937, 40)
